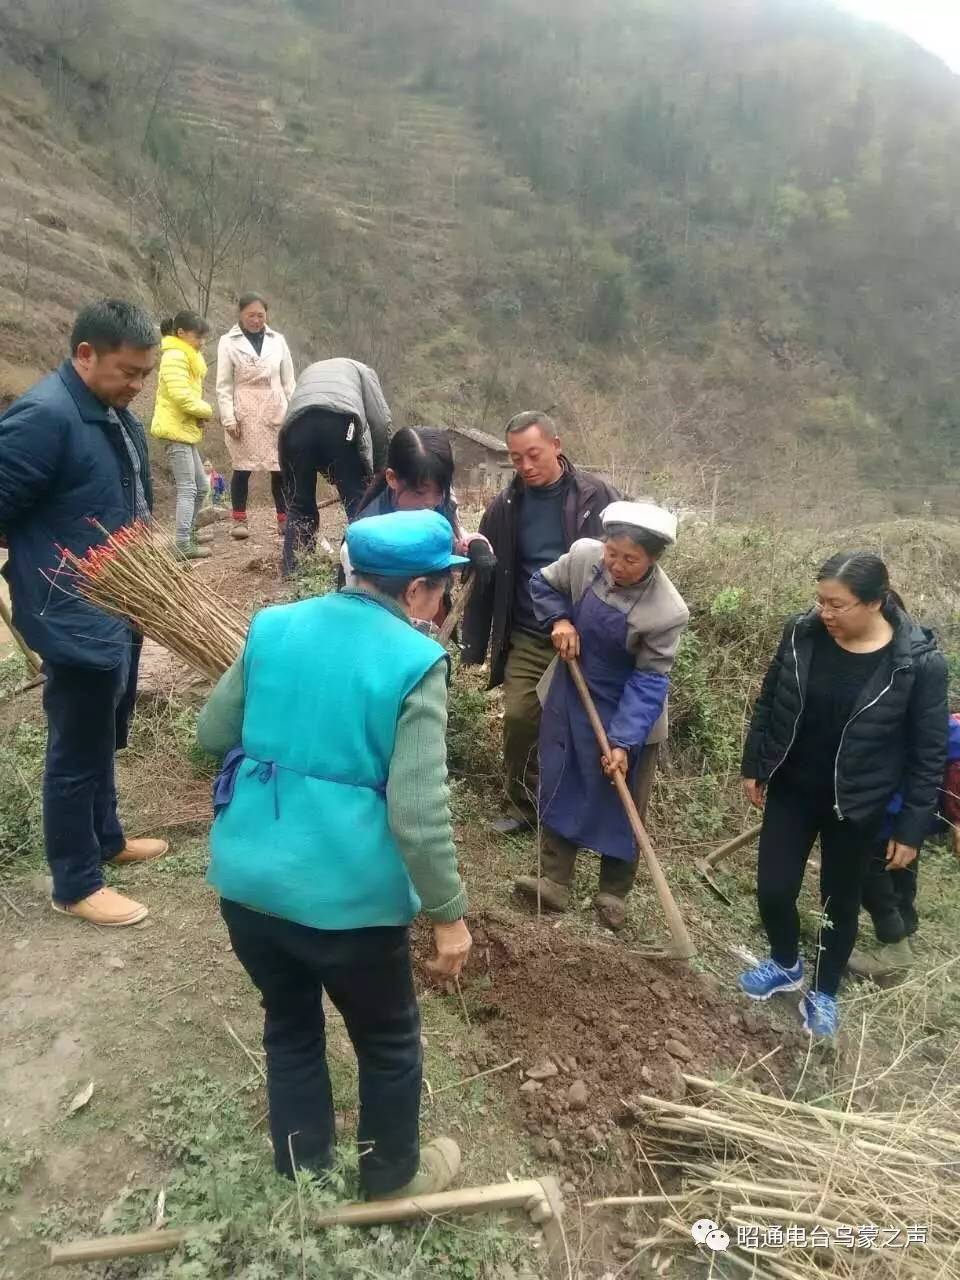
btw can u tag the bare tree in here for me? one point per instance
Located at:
(210, 215)
(67, 22)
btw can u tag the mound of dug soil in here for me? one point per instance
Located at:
(593, 1025)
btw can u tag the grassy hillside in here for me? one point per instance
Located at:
(720, 239)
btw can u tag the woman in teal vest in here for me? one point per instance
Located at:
(332, 832)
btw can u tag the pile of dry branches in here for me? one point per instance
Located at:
(807, 1189)
(135, 575)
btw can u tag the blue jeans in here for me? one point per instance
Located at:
(192, 487)
(366, 974)
(88, 715)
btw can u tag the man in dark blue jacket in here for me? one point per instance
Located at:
(73, 456)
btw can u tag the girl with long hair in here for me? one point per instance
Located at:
(418, 476)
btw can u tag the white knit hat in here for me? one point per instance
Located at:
(642, 515)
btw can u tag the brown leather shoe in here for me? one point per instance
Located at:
(553, 896)
(140, 851)
(106, 908)
(611, 910)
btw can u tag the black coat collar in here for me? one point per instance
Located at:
(909, 639)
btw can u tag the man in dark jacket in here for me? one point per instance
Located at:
(542, 512)
(72, 456)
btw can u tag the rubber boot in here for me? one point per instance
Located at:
(892, 958)
(553, 896)
(439, 1165)
(611, 910)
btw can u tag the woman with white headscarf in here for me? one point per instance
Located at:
(614, 609)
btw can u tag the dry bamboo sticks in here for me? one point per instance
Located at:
(804, 1189)
(135, 575)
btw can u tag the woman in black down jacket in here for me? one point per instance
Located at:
(853, 709)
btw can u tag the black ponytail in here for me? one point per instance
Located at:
(187, 321)
(418, 456)
(865, 576)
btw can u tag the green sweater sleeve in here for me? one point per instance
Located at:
(220, 726)
(418, 799)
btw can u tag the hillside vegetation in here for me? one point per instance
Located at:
(720, 239)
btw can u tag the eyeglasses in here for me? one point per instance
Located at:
(835, 609)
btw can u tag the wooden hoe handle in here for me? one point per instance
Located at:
(683, 946)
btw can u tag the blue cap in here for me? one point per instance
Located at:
(403, 544)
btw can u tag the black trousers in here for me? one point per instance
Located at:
(367, 975)
(88, 716)
(240, 491)
(792, 820)
(890, 897)
(316, 444)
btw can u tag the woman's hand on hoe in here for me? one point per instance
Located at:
(453, 943)
(754, 791)
(899, 855)
(566, 639)
(616, 762)
(232, 429)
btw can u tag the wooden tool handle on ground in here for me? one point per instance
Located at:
(732, 846)
(62, 1255)
(502, 1195)
(6, 617)
(683, 944)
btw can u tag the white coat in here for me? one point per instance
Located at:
(252, 394)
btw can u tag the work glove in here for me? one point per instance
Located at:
(483, 562)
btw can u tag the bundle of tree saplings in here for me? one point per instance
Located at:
(135, 575)
(778, 1188)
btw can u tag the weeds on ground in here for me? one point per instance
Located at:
(316, 575)
(21, 769)
(473, 731)
(167, 727)
(13, 1165)
(253, 1224)
(13, 673)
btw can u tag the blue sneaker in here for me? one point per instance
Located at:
(820, 1014)
(768, 978)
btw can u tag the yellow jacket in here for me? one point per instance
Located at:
(180, 407)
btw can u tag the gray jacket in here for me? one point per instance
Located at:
(656, 613)
(351, 388)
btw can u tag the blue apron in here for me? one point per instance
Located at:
(577, 799)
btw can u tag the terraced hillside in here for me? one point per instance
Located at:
(402, 218)
(402, 230)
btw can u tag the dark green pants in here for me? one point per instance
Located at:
(558, 856)
(527, 660)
